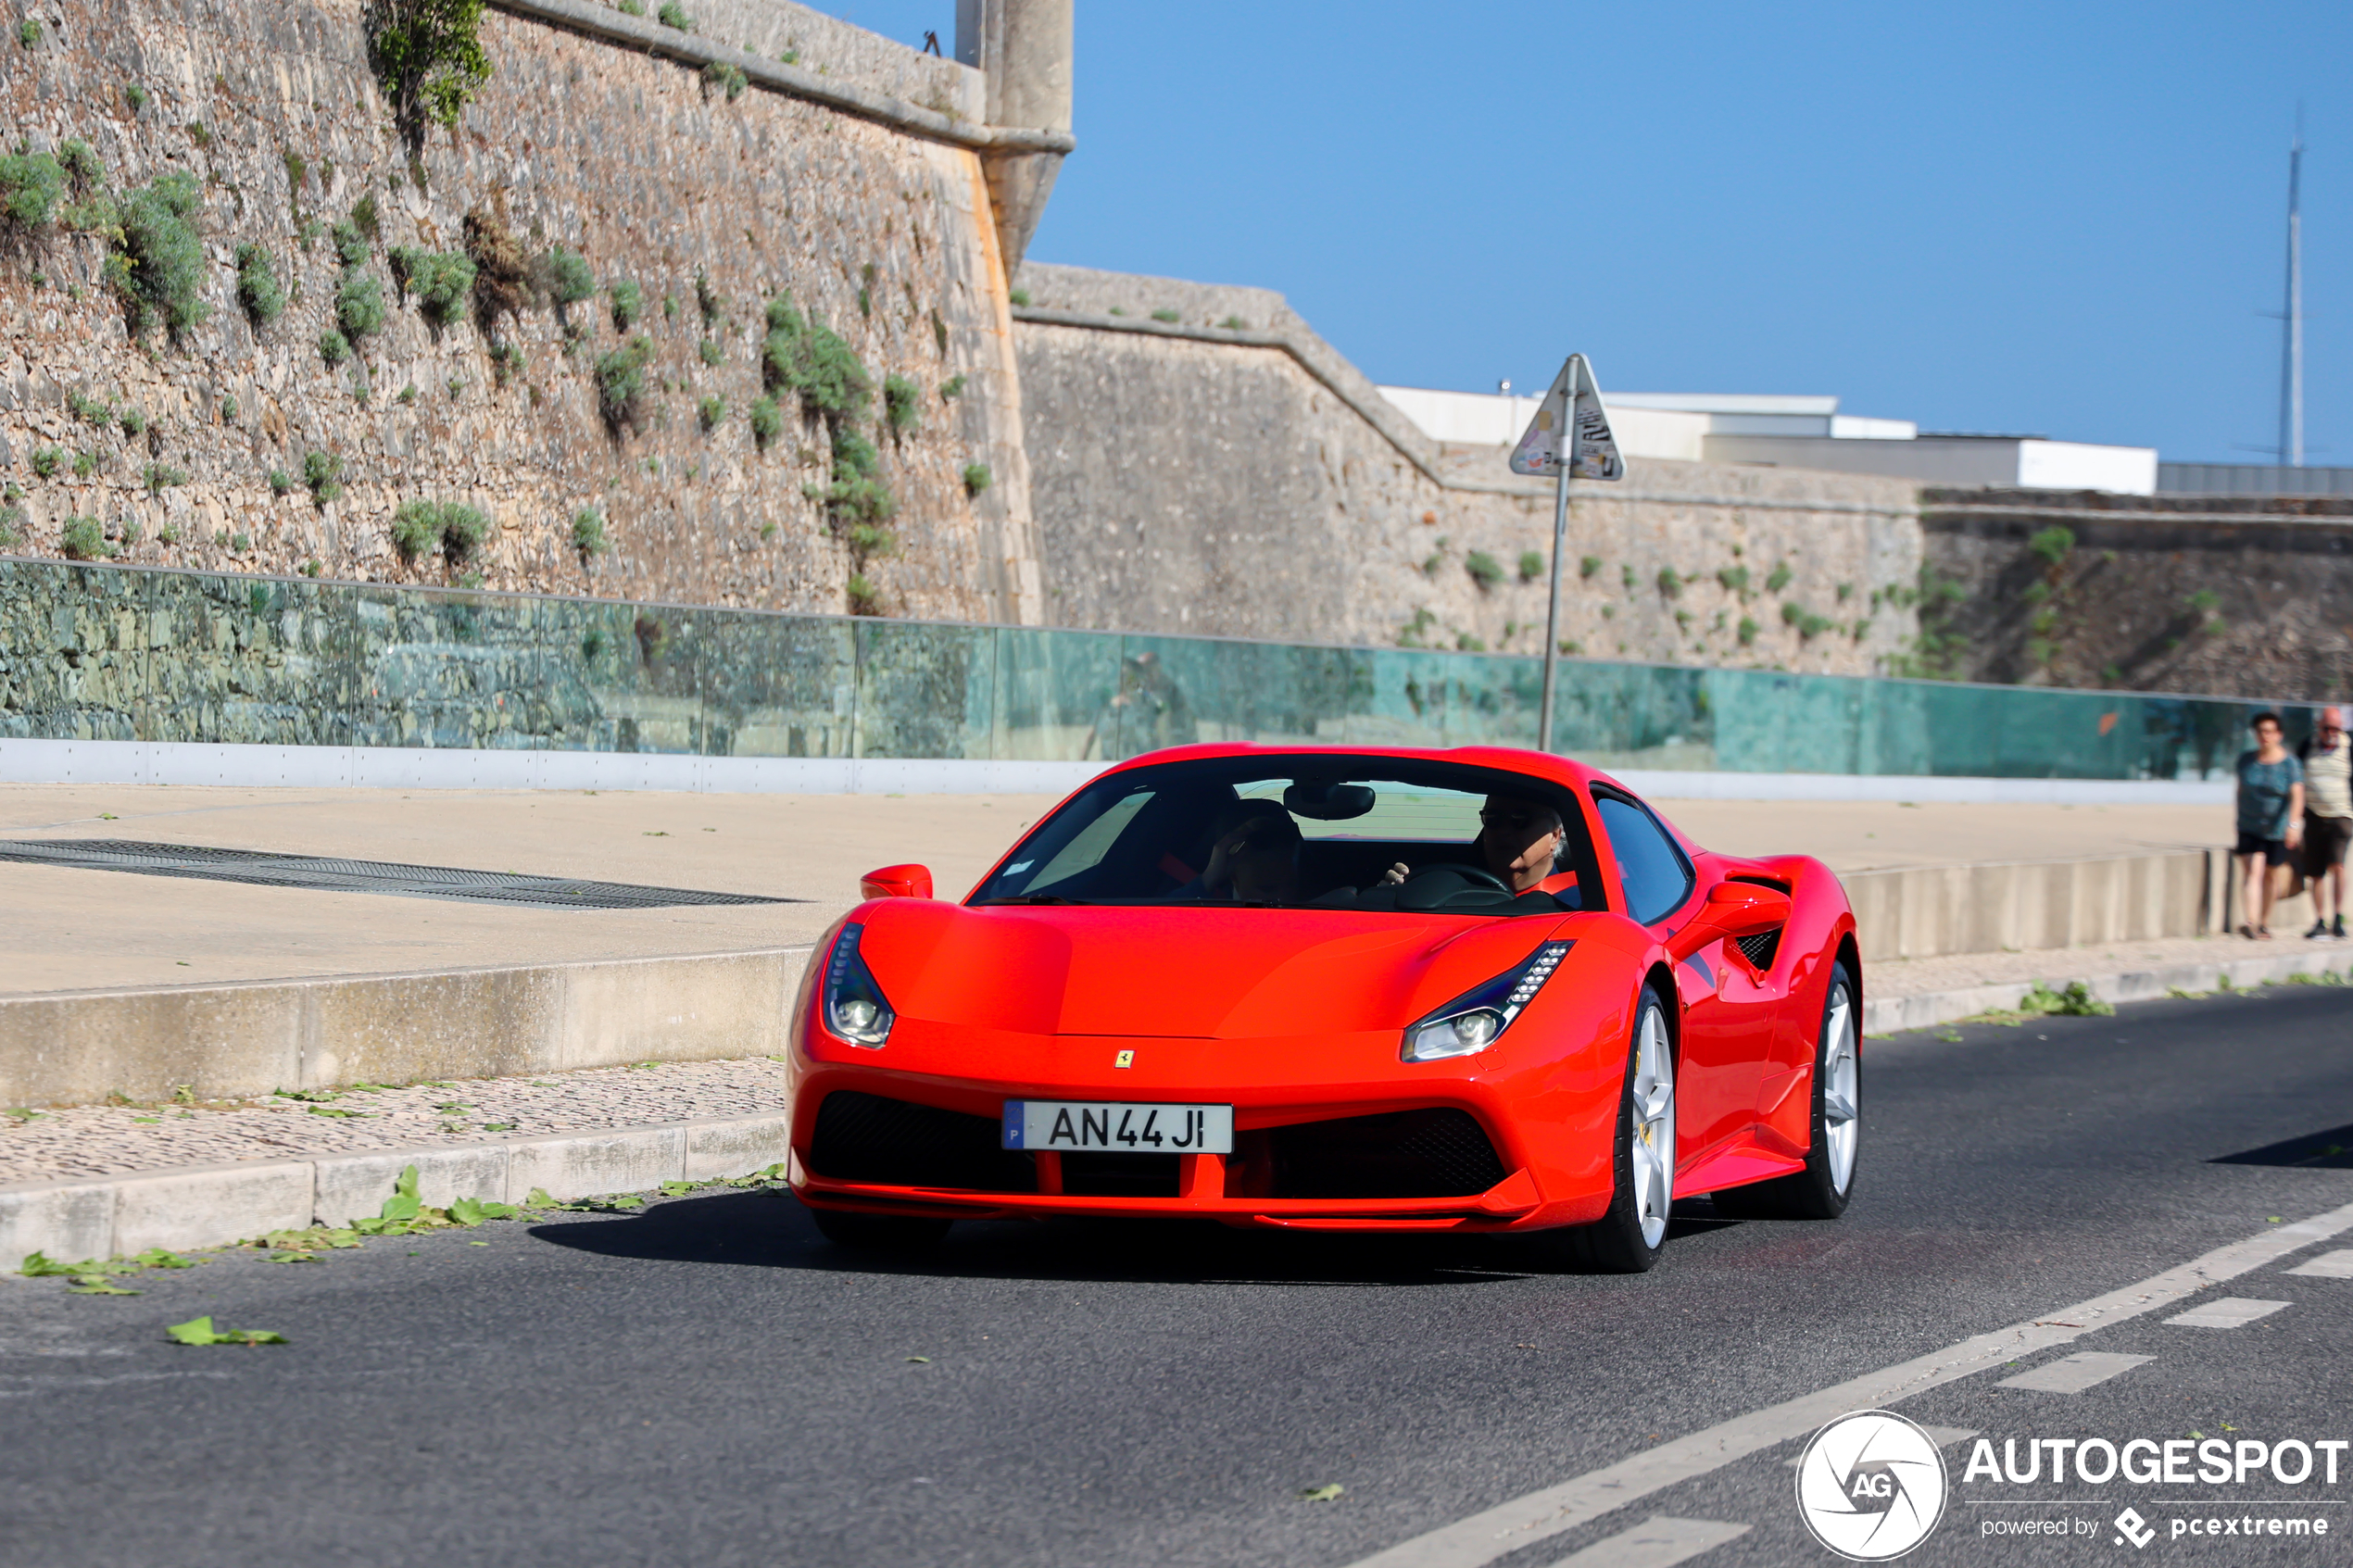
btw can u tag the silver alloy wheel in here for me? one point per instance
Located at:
(1650, 1111)
(1840, 1081)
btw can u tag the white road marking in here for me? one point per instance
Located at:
(1942, 1436)
(1656, 1542)
(2072, 1375)
(2329, 1265)
(1508, 1527)
(2226, 1311)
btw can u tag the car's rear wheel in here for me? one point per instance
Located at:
(879, 1233)
(1819, 1191)
(1630, 1235)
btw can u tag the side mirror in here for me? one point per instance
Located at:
(1733, 909)
(895, 882)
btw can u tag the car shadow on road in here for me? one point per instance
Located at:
(770, 1229)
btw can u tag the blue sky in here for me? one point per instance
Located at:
(2059, 218)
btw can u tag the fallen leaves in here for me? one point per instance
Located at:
(199, 1330)
(1330, 1493)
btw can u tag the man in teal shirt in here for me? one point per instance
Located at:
(2270, 822)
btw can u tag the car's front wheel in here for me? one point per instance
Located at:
(1819, 1191)
(1630, 1235)
(879, 1233)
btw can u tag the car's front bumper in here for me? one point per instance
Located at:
(1330, 1134)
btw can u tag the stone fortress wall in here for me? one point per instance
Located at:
(599, 133)
(1202, 462)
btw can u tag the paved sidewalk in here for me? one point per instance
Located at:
(105, 930)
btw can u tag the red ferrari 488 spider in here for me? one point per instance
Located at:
(1336, 989)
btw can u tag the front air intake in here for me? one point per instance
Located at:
(1440, 1153)
(862, 1138)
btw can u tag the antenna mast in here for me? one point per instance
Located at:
(2291, 447)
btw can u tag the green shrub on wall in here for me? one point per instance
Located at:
(258, 288)
(429, 57)
(157, 265)
(30, 186)
(807, 356)
(621, 382)
(83, 539)
(422, 527)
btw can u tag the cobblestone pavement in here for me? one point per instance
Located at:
(2056, 966)
(98, 1140)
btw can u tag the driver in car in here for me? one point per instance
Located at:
(1519, 842)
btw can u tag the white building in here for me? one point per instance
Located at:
(1798, 433)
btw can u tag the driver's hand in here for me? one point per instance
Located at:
(1394, 875)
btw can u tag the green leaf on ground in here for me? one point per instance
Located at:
(293, 1258)
(313, 1096)
(621, 1200)
(156, 1257)
(95, 1284)
(451, 1108)
(475, 1210)
(921, 1360)
(538, 1197)
(678, 1189)
(1322, 1494)
(334, 1110)
(39, 1264)
(199, 1330)
(497, 1127)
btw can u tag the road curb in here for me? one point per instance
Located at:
(213, 1205)
(1889, 1015)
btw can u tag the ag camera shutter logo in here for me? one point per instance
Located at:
(1870, 1486)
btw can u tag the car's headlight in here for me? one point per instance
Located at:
(855, 1007)
(1471, 1021)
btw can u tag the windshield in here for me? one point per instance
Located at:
(1310, 832)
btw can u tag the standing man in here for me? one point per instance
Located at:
(2328, 820)
(2270, 822)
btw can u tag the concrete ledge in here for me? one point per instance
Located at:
(227, 1042)
(1888, 1015)
(215, 1205)
(1928, 911)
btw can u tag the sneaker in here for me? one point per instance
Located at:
(2319, 931)
(2339, 931)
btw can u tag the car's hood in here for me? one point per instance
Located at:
(1181, 972)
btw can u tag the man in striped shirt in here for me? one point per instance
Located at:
(2328, 820)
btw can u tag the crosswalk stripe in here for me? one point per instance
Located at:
(1656, 1542)
(2226, 1311)
(1505, 1527)
(2329, 1265)
(2072, 1375)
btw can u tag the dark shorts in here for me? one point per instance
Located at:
(2325, 839)
(2273, 850)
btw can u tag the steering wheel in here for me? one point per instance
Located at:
(1431, 896)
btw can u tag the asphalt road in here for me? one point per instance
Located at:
(708, 1383)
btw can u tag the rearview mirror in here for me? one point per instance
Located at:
(1328, 802)
(895, 882)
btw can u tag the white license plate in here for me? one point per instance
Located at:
(1117, 1127)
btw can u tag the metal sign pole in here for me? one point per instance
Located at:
(1552, 612)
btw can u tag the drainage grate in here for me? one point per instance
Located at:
(327, 873)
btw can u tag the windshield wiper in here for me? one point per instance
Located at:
(1034, 898)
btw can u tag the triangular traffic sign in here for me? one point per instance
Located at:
(1593, 449)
